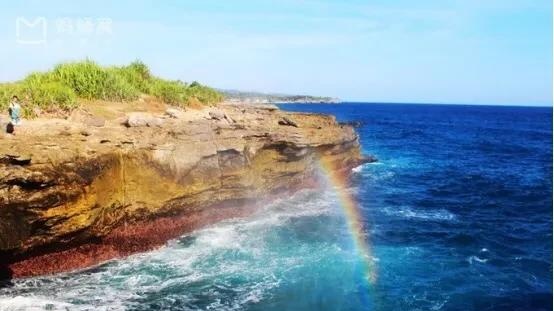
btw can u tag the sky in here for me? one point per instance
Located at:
(430, 51)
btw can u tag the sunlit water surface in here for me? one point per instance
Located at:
(458, 214)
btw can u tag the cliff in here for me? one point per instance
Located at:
(76, 192)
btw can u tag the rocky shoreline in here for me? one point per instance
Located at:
(77, 192)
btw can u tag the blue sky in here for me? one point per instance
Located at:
(444, 51)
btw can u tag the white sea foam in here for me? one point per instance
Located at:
(214, 255)
(31, 303)
(407, 212)
(438, 305)
(412, 250)
(361, 167)
(380, 175)
(472, 259)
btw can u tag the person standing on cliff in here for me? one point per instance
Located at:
(14, 110)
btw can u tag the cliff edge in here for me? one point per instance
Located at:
(75, 192)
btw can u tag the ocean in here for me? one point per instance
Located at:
(457, 213)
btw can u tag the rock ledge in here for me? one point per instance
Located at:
(75, 194)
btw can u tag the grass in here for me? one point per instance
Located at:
(63, 86)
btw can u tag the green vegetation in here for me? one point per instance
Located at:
(60, 88)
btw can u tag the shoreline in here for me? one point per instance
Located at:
(129, 239)
(76, 195)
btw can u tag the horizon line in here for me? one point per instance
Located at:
(538, 105)
(421, 103)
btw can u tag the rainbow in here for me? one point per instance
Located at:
(351, 210)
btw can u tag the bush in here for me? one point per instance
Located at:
(60, 88)
(52, 95)
(204, 94)
(137, 75)
(89, 80)
(171, 92)
(44, 95)
(117, 87)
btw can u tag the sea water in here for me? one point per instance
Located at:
(458, 214)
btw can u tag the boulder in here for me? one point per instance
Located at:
(220, 116)
(142, 119)
(217, 115)
(174, 113)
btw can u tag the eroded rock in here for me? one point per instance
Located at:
(16, 159)
(86, 193)
(287, 121)
(141, 119)
(217, 115)
(80, 116)
(174, 113)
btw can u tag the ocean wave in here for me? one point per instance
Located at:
(359, 168)
(31, 303)
(212, 258)
(473, 258)
(441, 214)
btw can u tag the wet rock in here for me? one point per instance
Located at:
(354, 124)
(368, 159)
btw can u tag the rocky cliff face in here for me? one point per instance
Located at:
(73, 195)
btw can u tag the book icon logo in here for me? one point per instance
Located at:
(30, 31)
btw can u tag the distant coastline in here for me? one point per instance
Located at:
(274, 98)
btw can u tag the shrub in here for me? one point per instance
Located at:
(51, 95)
(7, 90)
(204, 94)
(137, 75)
(140, 68)
(116, 87)
(36, 91)
(87, 79)
(171, 92)
(60, 88)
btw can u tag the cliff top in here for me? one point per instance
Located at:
(101, 126)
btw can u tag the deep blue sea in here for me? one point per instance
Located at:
(458, 214)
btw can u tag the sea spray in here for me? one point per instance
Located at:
(237, 262)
